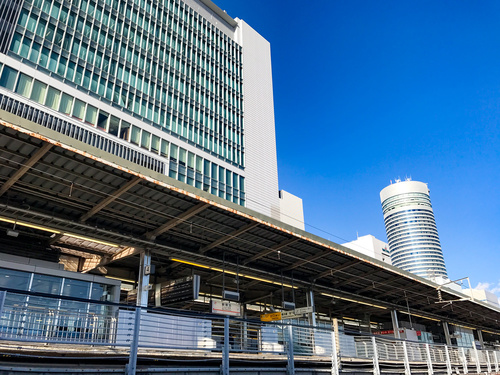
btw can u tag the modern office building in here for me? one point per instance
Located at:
(411, 229)
(371, 246)
(176, 86)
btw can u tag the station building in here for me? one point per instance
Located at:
(137, 150)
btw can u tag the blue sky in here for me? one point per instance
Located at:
(369, 91)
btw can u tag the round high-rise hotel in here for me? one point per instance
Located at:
(411, 229)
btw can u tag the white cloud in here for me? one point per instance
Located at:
(483, 286)
(491, 287)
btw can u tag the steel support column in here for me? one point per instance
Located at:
(464, 360)
(395, 324)
(448, 360)
(290, 369)
(446, 330)
(476, 357)
(335, 358)
(406, 359)
(430, 370)
(376, 365)
(131, 367)
(143, 282)
(225, 349)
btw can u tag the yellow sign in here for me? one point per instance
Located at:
(270, 317)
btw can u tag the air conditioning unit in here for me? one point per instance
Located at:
(288, 305)
(231, 296)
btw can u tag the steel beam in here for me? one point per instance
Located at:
(272, 249)
(228, 237)
(331, 271)
(309, 259)
(110, 198)
(196, 209)
(25, 167)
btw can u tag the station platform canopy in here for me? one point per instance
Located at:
(60, 196)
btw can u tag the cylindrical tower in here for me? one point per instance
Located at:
(411, 229)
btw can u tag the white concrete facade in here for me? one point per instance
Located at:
(371, 246)
(261, 168)
(411, 229)
(291, 210)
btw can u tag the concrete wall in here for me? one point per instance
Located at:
(261, 170)
(291, 209)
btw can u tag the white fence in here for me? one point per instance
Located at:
(141, 330)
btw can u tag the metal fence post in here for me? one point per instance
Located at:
(464, 361)
(134, 345)
(335, 362)
(478, 364)
(488, 363)
(448, 360)
(376, 365)
(407, 361)
(225, 348)
(3, 293)
(430, 370)
(291, 363)
(496, 361)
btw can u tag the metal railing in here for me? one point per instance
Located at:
(31, 318)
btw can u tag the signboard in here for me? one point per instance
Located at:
(230, 308)
(179, 290)
(290, 315)
(270, 317)
(297, 313)
(304, 310)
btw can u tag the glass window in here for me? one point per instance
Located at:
(55, 10)
(51, 30)
(71, 71)
(76, 288)
(164, 148)
(44, 57)
(61, 68)
(124, 130)
(114, 125)
(145, 138)
(99, 291)
(52, 99)
(38, 92)
(91, 115)
(66, 102)
(182, 156)
(31, 25)
(40, 29)
(173, 152)
(8, 78)
(14, 279)
(155, 143)
(23, 18)
(25, 47)
(135, 135)
(16, 43)
(87, 79)
(190, 160)
(79, 109)
(102, 121)
(53, 62)
(199, 163)
(24, 85)
(35, 52)
(46, 284)
(78, 75)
